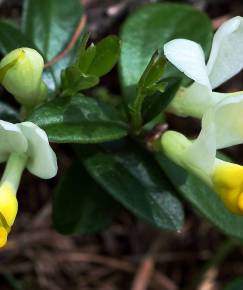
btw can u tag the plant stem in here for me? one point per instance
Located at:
(14, 169)
(137, 112)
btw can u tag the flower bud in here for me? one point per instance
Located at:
(177, 148)
(21, 72)
(225, 178)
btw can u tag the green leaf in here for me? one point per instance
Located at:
(106, 56)
(155, 104)
(51, 23)
(79, 119)
(152, 75)
(135, 181)
(7, 113)
(73, 81)
(202, 198)
(86, 55)
(237, 284)
(12, 38)
(92, 63)
(148, 29)
(80, 205)
(149, 84)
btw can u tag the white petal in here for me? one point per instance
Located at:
(222, 126)
(189, 58)
(226, 57)
(227, 119)
(194, 101)
(42, 161)
(12, 140)
(202, 152)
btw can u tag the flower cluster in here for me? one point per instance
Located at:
(22, 145)
(222, 121)
(225, 61)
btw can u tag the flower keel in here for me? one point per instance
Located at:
(8, 210)
(228, 183)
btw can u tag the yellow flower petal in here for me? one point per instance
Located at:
(240, 201)
(3, 236)
(8, 203)
(228, 183)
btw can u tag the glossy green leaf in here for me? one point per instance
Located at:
(135, 181)
(237, 284)
(73, 81)
(12, 38)
(155, 104)
(92, 63)
(202, 198)
(7, 113)
(152, 75)
(148, 29)
(149, 83)
(79, 119)
(51, 23)
(106, 56)
(80, 205)
(85, 55)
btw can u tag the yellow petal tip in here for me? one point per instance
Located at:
(8, 203)
(3, 236)
(228, 183)
(240, 201)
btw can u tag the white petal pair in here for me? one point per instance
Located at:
(225, 61)
(222, 126)
(26, 137)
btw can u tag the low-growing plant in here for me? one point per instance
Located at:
(123, 153)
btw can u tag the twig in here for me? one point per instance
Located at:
(163, 281)
(209, 281)
(71, 44)
(217, 22)
(146, 268)
(98, 259)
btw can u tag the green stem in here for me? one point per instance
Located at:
(14, 169)
(137, 112)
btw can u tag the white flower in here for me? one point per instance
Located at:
(22, 145)
(225, 61)
(29, 139)
(222, 126)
